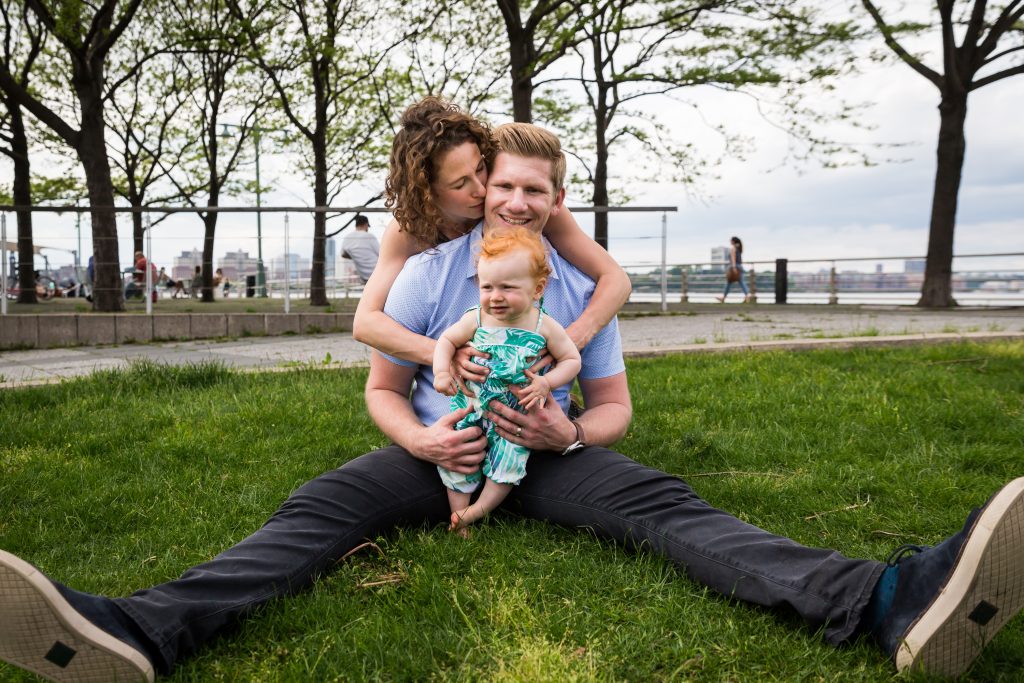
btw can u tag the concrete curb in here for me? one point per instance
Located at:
(47, 331)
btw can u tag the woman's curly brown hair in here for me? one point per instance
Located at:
(430, 127)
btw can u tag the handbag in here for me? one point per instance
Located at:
(732, 274)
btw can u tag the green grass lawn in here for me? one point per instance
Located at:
(116, 482)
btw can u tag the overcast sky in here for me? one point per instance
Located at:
(797, 211)
(805, 211)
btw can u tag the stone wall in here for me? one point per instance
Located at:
(72, 329)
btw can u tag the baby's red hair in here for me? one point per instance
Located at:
(501, 242)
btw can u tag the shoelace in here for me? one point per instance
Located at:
(906, 549)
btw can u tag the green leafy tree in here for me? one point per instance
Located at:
(981, 44)
(631, 51)
(448, 56)
(86, 33)
(536, 40)
(222, 84)
(144, 115)
(22, 45)
(320, 57)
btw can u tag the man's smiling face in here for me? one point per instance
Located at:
(520, 193)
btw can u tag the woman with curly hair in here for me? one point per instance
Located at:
(436, 185)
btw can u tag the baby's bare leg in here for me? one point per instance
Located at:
(458, 501)
(489, 499)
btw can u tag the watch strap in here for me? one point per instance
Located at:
(581, 438)
(580, 441)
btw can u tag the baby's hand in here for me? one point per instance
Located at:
(444, 383)
(536, 392)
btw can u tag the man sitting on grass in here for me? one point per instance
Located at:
(928, 608)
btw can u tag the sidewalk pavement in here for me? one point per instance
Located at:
(699, 329)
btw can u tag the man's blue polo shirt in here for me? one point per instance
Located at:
(437, 286)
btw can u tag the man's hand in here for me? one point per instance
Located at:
(458, 450)
(546, 428)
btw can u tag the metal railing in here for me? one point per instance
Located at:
(285, 285)
(974, 282)
(978, 279)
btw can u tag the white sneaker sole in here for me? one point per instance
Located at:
(985, 590)
(41, 632)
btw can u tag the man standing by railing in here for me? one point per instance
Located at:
(362, 248)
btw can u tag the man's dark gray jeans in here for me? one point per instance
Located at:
(597, 489)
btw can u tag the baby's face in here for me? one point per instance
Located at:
(507, 289)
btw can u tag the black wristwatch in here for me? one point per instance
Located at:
(580, 442)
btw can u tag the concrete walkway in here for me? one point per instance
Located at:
(698, 329)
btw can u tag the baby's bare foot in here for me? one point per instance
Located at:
(462, 518)
(458, 524)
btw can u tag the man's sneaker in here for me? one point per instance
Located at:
(40, 631)
(951, 600)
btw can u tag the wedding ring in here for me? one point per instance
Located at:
(519, 432)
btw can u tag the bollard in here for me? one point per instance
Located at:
(287, 270)
(684, 296)
(752, 297)
(833, 289)
(664, 262)
(150, 290)
(781, 280)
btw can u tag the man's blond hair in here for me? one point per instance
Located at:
(528, 140)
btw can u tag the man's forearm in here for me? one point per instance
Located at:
(609, 409)
(394, 415)
(603, 425)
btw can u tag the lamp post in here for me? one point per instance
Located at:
(261, 278)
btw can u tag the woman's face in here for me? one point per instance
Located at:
(460, 185)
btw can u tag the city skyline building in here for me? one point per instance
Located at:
(291, 266)
(184, 266)
(720, 255)
(237, 265)
(914, 266)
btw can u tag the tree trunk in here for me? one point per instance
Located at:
(317, 279)
(22, 194)
(213, 200)
(522, 82)
(210, 229)
(138, 237)
(600, 196)
(521, 55)
(135, 199)
(92, 152)
(937, 290)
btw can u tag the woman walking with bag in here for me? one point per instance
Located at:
(734, 273)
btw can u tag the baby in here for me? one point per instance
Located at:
(510, 325)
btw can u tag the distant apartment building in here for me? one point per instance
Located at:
(185, 265)
(237, 264)
(291, 266)
(720, 255)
